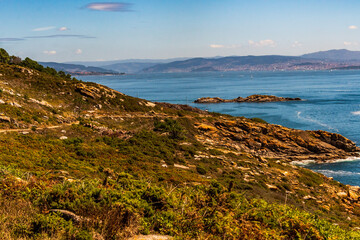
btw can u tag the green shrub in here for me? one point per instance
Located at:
(258, 120)
(200, 170)
(170, 126)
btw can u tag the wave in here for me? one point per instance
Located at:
(331, 173)
(303, 162)
(349, 159)
(316, 122)
(355, 113)
(309, 162)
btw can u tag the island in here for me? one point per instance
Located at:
(256, 98)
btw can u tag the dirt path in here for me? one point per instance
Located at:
(39, 128)
(96, 116)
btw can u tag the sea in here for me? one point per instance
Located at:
(331, 101)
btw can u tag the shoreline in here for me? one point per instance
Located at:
(302, 163)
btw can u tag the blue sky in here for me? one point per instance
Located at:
(70, 30)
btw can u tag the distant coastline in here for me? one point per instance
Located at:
(95, 74)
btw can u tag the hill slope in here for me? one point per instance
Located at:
(335, 55)
(77, 69)
(128, 67)
(80, 161)
(244, 63)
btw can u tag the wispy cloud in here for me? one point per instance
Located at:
(109, 6)
(296, 44)
(63, 29)
(50, 52)
(78, 51)
(62, 36)
(353, 27)
(11, 39)
(263, 43)
(41, 29)
(351, 43)
(224, 46)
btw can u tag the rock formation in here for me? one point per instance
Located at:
(256, 98)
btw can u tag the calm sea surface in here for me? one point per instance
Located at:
(331, 101)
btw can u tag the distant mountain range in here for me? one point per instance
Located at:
(323, 60)
(332, 59)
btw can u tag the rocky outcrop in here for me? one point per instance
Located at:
(5, 119)
(251, 99)
(274, 141)
(88, 91)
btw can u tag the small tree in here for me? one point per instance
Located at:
(4, 56)
(29, 63)
(15, 60)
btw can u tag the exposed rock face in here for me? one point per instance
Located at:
(88, 91)
(275, 141)
(253, 98)
(4, 119)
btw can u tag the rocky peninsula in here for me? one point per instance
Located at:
(256, 98)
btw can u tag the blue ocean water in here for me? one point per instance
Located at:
(331, 101)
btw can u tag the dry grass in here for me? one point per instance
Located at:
(14, 213)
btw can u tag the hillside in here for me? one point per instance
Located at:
(77, 69)
(242, 63)
(128, 67)
(79, 160)
(339, 55)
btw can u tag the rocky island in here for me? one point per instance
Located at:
(256, 98)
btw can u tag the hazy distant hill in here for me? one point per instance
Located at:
(77, 69)
(332, 59)
(104, 63)
(270, 62)
(335, 55)
(129, 67)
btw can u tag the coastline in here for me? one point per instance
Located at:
(311, 161)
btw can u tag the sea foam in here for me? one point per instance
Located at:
(316, 122)
(355, 113)
(307, 162)
(331, 173)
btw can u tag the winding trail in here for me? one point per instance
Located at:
(97, 116)
(39, 128)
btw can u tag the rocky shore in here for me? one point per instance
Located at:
(275, 141)
(256, 98)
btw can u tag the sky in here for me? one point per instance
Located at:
(82, 30)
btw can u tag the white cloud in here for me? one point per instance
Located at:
(216, 46)
(78, 51)
(351, 43)
(263, 43)
(353, 27)
(224, 46)
(51, 52)
(296, 44)
(63, 29)
(41, 29)
(109, 6)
